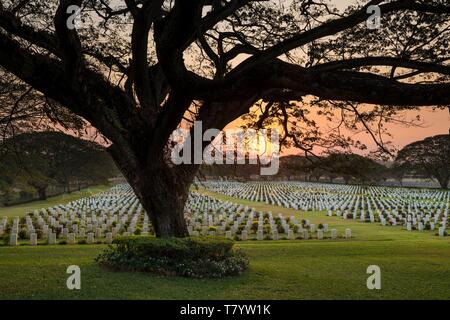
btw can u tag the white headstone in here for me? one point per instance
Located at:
(348, 233)
(13, 239)
(420, 227)
(260, 235)
(291, 235)
(33, 239)
(71, 238)
(333, 234)
(305, 234)
(90, 238)
(109, 237)
(195, 233)
(320, 234)
(51, 238)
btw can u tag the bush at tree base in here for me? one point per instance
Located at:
(186, 257)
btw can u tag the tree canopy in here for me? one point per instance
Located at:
(430, 157)
(137, 69)
(43, 159)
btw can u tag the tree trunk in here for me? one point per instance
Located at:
(42, 193)
(163, 193)
(162, 189)
(443, 182)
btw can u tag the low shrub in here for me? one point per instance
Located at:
(187, 257)
(22, 234)
(5, 238)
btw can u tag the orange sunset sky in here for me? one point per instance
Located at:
(431, 123)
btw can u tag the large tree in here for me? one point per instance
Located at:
(354, 166)
(136, 68)
(430, 157)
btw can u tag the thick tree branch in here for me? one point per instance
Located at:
(68, 40)
(335, 26)
(381, 61)
(43, 39)
(143, 19)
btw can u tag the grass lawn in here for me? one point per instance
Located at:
(414, 265)
(278, 270)
(22, 209)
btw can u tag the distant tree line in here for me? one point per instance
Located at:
(32, 164)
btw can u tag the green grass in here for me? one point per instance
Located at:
(278, 270)
(22, 209)
(414, 265)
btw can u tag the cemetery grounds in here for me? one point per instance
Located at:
(414, 264)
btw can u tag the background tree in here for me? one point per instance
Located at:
(430, 156)
(354, 166)
(398, 172)
(41, 159)
(137, 69)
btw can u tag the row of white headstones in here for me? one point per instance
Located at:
(234, 220)
(103, 217)
(93, 218)
(413, 209)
